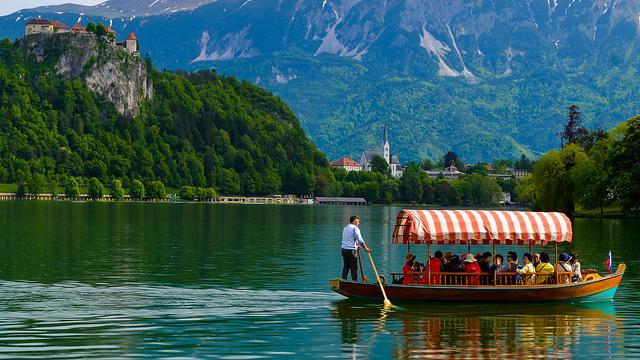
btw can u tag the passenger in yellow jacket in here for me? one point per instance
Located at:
(544, 267)
(527, 270)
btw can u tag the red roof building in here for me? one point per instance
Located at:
(59, 27)
(132, 36)
(39, 22)
(77, 28)
(347, 164)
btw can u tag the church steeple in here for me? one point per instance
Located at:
(386, 153)
(385, 139)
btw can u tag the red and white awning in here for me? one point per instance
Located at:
(481, 227)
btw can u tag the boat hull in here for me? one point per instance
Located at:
(602, 289)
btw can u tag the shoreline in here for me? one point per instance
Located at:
(253, 200)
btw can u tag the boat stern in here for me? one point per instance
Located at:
(334, 284)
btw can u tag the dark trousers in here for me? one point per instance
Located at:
(350, 261)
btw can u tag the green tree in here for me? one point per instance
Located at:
(137, 190)
(156, 190)
(525, 193)
(117, 192)
(411, 183)
(428, 193)
(228, 182)
(442, 192)
(91, 27)
(96, 189)
(426, 164)
(370, 190)
(36, 183)
(101, 30)
(390, 191)
(380, 165)
(187, 193)
(553, 181)
(21, 191)
(209, 194)
(624, 166)
(524, 163)
(451, 158)
(71, 188)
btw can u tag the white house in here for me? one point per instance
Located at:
(347, 164)
(449, 173)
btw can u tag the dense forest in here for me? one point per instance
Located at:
(200, 129)
(593, 170)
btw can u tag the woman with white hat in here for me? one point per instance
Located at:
(471, 266)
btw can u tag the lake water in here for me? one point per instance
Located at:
(250, 282)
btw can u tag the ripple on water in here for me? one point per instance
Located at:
(148, 319)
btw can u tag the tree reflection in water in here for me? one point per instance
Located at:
(476, 330)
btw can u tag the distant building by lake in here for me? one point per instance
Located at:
(339, 201)
(347, 164)
(449, 173)
(520, 173)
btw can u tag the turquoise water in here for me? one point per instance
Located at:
(244, 282)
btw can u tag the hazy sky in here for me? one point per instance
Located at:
(9, 6)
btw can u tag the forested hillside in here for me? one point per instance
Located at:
(198, 129)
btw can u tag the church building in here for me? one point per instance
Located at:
(384, 152)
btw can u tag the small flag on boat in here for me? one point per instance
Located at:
(608, 263)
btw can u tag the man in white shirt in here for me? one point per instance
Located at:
(351, 241)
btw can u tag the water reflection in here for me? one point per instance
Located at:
(439, 330)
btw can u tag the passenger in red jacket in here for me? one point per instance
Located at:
(471, 266)
(435, 265)
(407, 270)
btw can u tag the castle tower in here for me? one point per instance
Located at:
(385, 146)
(131, 45)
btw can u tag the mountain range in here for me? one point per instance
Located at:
(485, 78)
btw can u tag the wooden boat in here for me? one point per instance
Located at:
(475, 227)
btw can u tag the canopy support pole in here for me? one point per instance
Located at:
(555, 259)
(469, 247)
(429, 264)
(530, 247)
(494, 263)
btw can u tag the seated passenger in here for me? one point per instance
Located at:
(407, 269)
(471, 266)
(575, 268)
(445, 260)
(527, 270)
(485, 263)
(512, 262)
(565, 267)
(435, 266)
(536, 259)
(454, 266)
(497, 268)
(544, 267)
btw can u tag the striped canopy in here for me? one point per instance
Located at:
(481, 227)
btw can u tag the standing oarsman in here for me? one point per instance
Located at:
(351, 241)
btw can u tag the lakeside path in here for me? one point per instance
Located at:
(285, 200)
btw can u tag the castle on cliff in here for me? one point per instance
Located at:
(44, 26)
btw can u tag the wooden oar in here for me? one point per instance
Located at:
(387, 303)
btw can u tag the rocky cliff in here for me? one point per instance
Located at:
(106, 69)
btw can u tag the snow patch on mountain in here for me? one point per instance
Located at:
(281, 77)
(439, 50)
(330, 43)
(228, 47)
